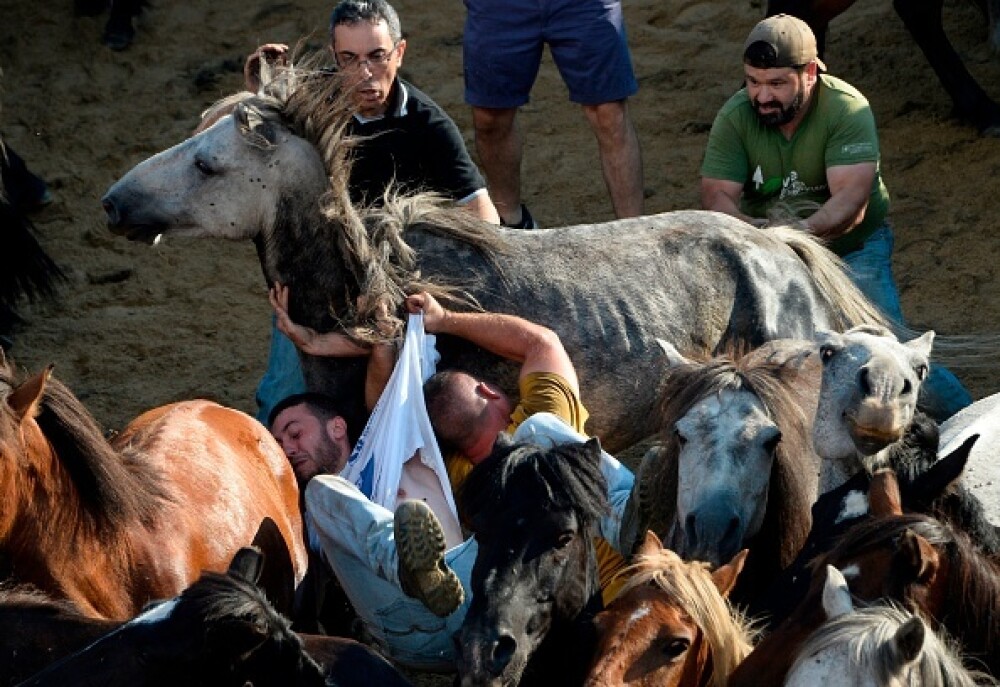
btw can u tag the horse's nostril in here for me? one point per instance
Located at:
(110, 210)
(503, 651)
(864, 381)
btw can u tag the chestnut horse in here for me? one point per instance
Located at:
(670, 625)
(924, 22)
(111, 526)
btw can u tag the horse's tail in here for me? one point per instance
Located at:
(848, 306)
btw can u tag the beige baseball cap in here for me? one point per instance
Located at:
(787, 41)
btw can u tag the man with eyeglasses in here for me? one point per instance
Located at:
(411, 142)
(799, 140)
(407, 141)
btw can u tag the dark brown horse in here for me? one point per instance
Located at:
(38, 631)
(924, 22)
(111, 526)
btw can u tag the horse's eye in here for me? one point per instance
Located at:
(921, 372)
(203, 167)
(675, 647)
(825, 353)
(564, 539)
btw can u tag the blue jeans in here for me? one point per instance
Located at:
(283, 377)
(941, 394)
(355, 538)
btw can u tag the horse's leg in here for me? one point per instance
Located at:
(923, 20)
(817, 13)
(118, 32)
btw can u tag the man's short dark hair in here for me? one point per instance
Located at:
(451, 417)
(323, 407)
(353, 12)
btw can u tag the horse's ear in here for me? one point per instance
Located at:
(922, 344)
(883, 494)
(836, 594)
(25, 399)
(674, 357)
(248, 563)
(934, 481)
(725, 576)
(909, 640)
(257, 125)
(651, 545)
(593, 450)
(915, 558)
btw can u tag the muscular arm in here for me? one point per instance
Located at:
(723, 195)
(850, 189)
(537, 348)
(481, 205)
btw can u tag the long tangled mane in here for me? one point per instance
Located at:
(113, 489)
(687, 384)
(869, 633)
(972, 592)
(560, 478)
(377, 261)
(690, 587)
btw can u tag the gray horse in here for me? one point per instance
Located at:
(275, 171)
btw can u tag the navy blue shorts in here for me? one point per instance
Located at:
(503, 44)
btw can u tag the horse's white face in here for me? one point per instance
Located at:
(868, 395)
(724, 469)
(215, 184)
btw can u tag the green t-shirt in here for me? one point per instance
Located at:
(772, 169)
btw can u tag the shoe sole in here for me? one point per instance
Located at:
(420, 544)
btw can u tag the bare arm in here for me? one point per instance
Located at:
(850, 189)
(537, 348)
(481, 205)
(307, 339)
(723, 195)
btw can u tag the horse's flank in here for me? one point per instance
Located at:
(112, 526)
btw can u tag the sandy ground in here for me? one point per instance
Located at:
(137, 327)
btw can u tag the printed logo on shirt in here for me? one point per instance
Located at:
(863, 148)
(792, 186)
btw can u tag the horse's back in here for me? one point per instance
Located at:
(698, 279)
(225, 474)
(982, 472)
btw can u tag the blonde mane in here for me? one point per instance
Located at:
(371, 240)
(729, 634)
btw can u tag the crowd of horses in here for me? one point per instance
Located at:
(777, 393)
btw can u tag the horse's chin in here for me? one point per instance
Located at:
(143, 233)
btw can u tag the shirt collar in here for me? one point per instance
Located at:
(398, 104)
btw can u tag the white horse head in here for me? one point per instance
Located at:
(870, 383)
(229, 181)
(878, 646)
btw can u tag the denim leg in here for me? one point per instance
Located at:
(355, 538)
(548, 430)
(283, 377)
(941, 394)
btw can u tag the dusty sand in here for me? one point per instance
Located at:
(136, 326)
(139, 326)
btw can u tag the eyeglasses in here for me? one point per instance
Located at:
(376, 60)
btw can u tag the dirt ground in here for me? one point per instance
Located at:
(136, 326)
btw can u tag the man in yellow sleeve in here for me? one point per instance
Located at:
(468, 414)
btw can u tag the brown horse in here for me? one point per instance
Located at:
(111, 526)
(670, 625)
(924, 22)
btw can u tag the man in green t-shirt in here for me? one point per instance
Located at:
(801, 141)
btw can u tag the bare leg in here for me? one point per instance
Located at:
(621, 159)
(499, 145)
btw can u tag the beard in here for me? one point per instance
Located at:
(329, 456)
(783, 115)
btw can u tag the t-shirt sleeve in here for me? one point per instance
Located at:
(544, 392)
(451, 167)
(725, 154)
(854, 138)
